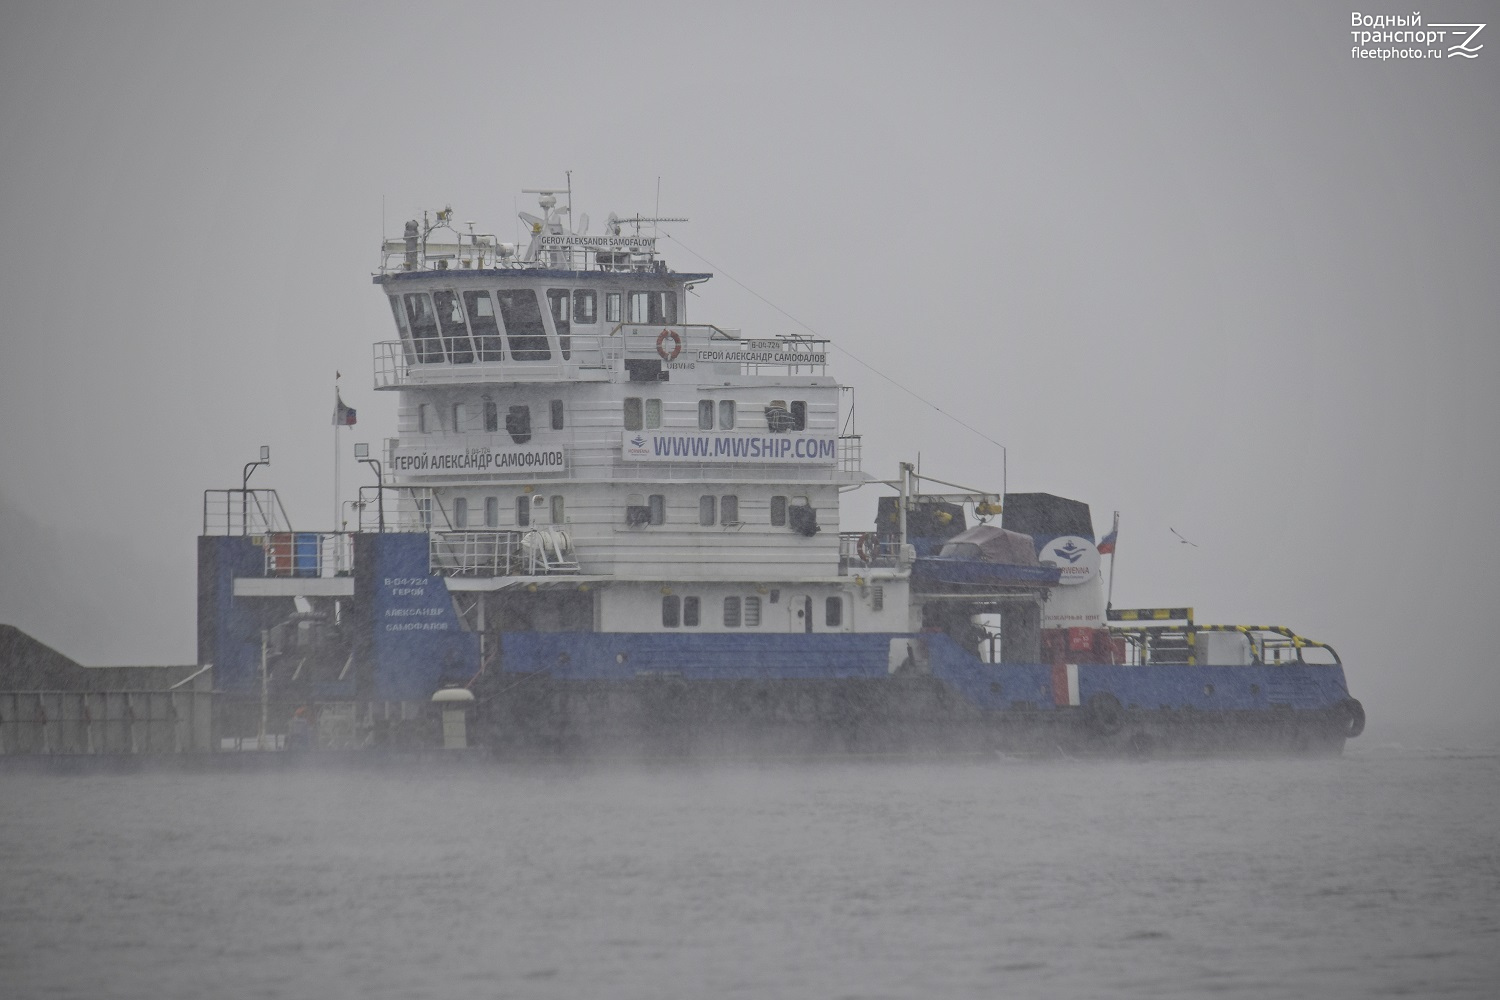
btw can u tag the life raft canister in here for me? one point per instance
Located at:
(668, 337)
(866, 547)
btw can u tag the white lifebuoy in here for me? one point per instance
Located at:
(668, 354)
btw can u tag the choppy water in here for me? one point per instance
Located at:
(1374, 874)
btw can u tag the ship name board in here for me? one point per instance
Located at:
(773, 357)
(781, 449)
(441, 461)
(571, 241)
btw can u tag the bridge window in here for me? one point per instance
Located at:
(690, 611)
(671, 611)
(491, 415)
(524, 328)
(422, 322)
(752, 612)
(653, 307)
(658, 506)
(585, 308)
(778, 511)
(492, 512)
(402, 331)
(705, 414)
(726, 414)
(557, 414)
(611, 307)
(484, 326)
(731, 612)
(460, 513)
(523, 511)
(706, 505)
(557, 299)
(450, 316)
(833, 612)
(729, 509)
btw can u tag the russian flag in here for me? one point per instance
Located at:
(1106, 544)
(343, 416)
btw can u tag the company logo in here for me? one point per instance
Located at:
(1071, 552)
(638, 441)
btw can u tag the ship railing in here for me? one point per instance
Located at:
(308, 553)
(1261, 645)
(488, 553)
(486, 253)
(243, 512)
(851, 458)
(861, 550)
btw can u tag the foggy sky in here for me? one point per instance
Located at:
(1187, 261)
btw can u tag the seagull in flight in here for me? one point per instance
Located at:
(1184, 541)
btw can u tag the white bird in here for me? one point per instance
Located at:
(1184, 541)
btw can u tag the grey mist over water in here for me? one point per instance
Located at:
(1371, 875)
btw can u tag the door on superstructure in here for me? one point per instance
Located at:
(800, 609)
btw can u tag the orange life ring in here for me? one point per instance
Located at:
(867, 546)
(668, 354)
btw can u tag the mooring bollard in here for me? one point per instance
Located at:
(455, 703)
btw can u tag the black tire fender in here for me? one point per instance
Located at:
(1106, 716)
(1354, 717)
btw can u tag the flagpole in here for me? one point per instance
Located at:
(336, 425)
(1110, 597)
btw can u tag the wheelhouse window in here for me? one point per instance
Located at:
(652, 307)
(422, 322)
(778, 511)
(523, 511)
(558, 300)
(611, 307)
(726, 414)
(557, 414)
(671, 611)
(705, 414)
(484, 326)
(731, 612)
(401, 331)
(450, 316)
(657, 503)
(524, 330)
(706, 510)
(585, 308)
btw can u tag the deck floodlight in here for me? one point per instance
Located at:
(265, 453)
(361, 451)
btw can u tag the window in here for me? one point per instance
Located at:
(460, 513)
(639, 308)
(658, 505)
(518, 423)
(523, 511)
(611, 307)
(705, 414)
(729, 509)
(423, 324)
(731, 612)
(424, 513)
(584, 308)
(402, 331)
(752, 612)
(491, 415)
(778, 511)
(706, 510)
(671, 611)
(425, 423)
(460, 415)
(524, 329)
(492, 512)
(558, 300)
(652, 307)
(557, 414)
(726, 414)
(633, 420)
(799, 414)
(690, 613)
(653, 413)
(557, 510)
(484, 326)
(450, 316)
(833, 612)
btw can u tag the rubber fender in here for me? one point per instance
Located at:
(1105, 714)
(1354, 717)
